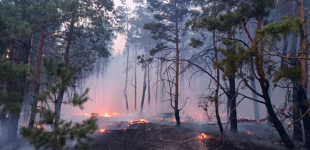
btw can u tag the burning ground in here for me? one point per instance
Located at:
(152, 136)
(161, 133)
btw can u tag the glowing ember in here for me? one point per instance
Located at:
(203, 136)
(201, 143)
(249, 132)
(138, 121)
(102, 130)
(124, 129)
(38, 126)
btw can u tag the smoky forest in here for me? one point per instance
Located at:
(154, 75)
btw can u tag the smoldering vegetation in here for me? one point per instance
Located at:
(153, 74)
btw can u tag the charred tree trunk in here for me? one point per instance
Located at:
(162, 87)
(297, 131)
(143, 92)
(38, 78)
(148, 85)
(233, 116)
(135, 80)
(127, 69)
(125, 89)
(157, 74)
(302, 94)
(176, 99)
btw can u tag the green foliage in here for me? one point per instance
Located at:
(59, 77)
(235, 54)
(10, 75)
(274, 29)
(293, 73)
(81, 132)
(168, 15)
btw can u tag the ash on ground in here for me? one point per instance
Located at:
(155, 136)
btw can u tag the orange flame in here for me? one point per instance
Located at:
(102, 130)
(249, 132)
(203, 136)
(138, 121)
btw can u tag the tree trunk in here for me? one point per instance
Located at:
(19, 51)
(297, 131)
(4, 121)
(228, 100)
(127, 69)
(255, 104)
(148, 85)
(285, 44)
(66, 60)
(143, 92)
(233, 117)
(136, 79)
(13, 124)
(162, 96)
(274, 119)
(125, 89)
(176, 99)
(264, 83)
(302, 94)
(28, 98)
(157, 74)
(38, 78)
(216, 97)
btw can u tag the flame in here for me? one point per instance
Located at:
(102, 130)
(203, 136)
(124, 129)
(106, 115)
(138, 121)
(38, 126)
(100, 115)
(249, 132)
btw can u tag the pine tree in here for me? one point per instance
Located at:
(166, 30)
(57, 74)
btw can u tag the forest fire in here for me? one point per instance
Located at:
(138, 121)
(203, 136)
(39, 126)
(101, 130)
(99, 115)
(249, 132)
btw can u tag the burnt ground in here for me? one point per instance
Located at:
(154, 136)
(165, 136)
